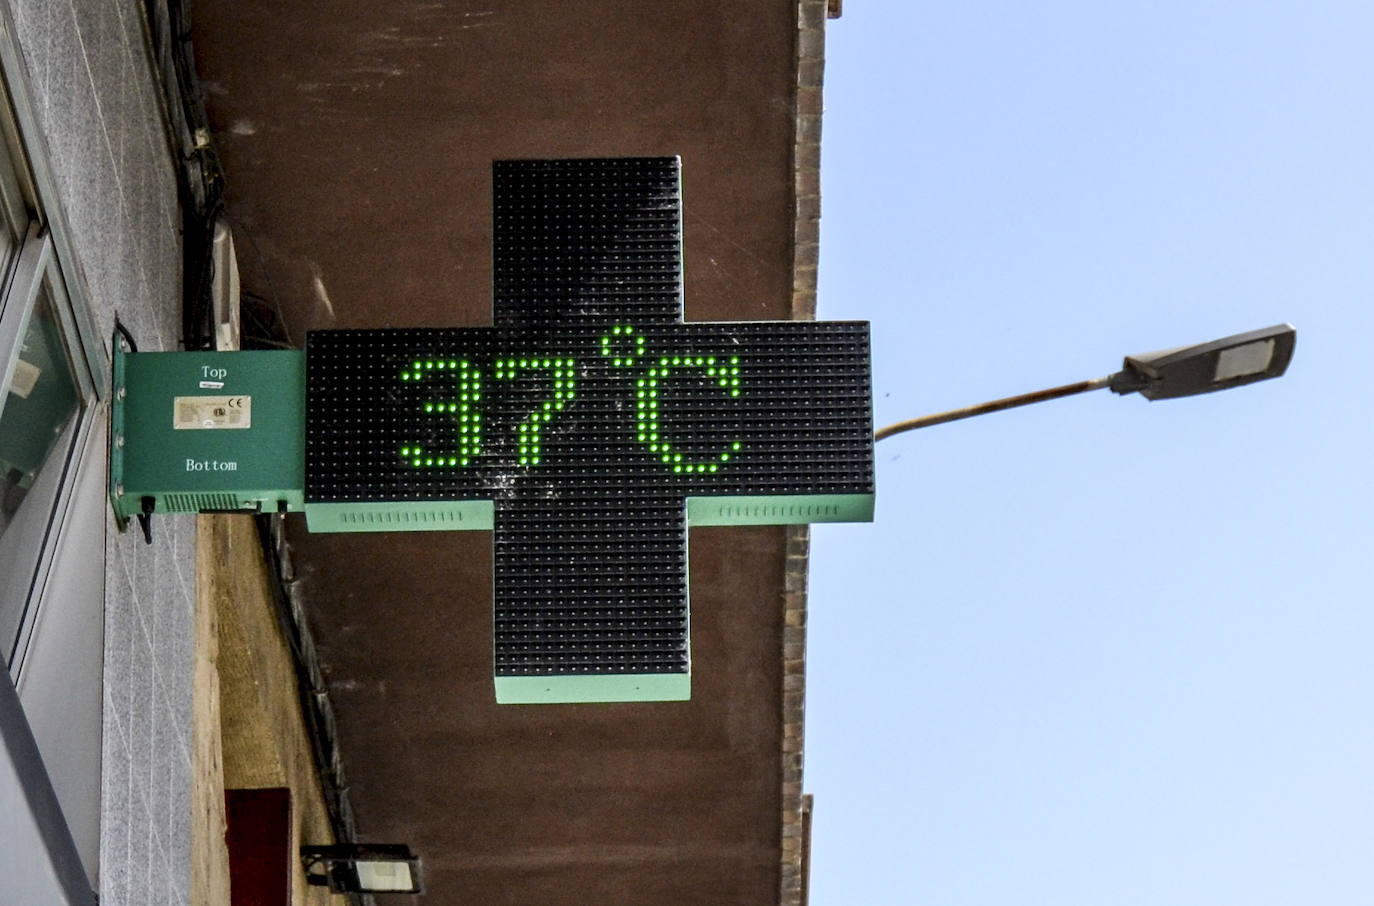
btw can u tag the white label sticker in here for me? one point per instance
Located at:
(25, 377)
(202, 413)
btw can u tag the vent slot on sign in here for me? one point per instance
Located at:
(199, 503)
(401, 517)
(790, 511)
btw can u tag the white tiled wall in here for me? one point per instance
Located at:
(96, 101)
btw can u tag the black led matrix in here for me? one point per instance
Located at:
(587, 427)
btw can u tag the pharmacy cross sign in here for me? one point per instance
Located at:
(587, 427)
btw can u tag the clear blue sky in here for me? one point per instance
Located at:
(1099, 651)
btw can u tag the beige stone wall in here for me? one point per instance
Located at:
(806, 175)
(209, 856)
(248, 719)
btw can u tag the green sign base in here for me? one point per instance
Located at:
(549, 690)
(404, 516)
(478, 515)
(792, 509)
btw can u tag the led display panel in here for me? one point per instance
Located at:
(585, 427)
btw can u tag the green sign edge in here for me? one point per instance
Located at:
(401, 516)
(479, 515)
(779, 509)
(593, 688)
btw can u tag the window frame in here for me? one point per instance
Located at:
(43, 257)
(33, 272)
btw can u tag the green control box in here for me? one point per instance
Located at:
(193, 432)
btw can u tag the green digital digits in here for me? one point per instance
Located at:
(463, 410)
(527, 434)
(622, 355)
(623, 346)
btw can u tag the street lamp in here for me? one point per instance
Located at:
(1184, 371)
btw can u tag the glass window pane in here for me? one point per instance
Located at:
(37, 426)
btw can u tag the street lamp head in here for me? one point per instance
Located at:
(1205, 367)
(1185, 371)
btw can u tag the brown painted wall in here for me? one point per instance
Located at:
(357, 137)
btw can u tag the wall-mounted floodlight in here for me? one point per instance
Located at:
(1185, 371)
(363, 868)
